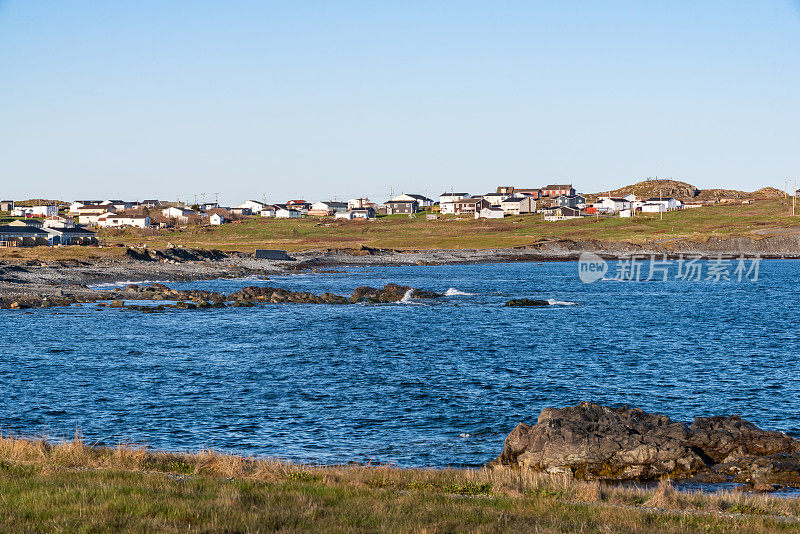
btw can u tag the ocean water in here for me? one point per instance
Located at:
(419, 383)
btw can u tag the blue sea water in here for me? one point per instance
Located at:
(421, 383)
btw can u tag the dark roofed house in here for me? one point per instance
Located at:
(76, 235)
(394, 207)
(22, 236)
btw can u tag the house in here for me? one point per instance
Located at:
(533, 193)
(423, 202)
(89, 213)
(496, 198)
(470, 206)
(624, 214)
(630, 197)
(150, 204)
(611, 205)
(6, 205)
(346, 215)
(669, 203)
(300, 205)
(120, 205)
(518, 205)
(556, 190)
(692, 205)
(206, 206)
(363, 213)
(217, 219)
(114, 220)
(35, 211)
(358, 203)
(181, 215)
(574, 201)
(240, 211)
(254, 206)
(71, 236)
(394, 207)
(653, 207)
(507, 190)
(58, 222)
(490, 213)
(323, 209)
(22, 236)
(31, 223)
(560, 213)
(268, 210)
(287, 212)
(73, 207)
(451, 197)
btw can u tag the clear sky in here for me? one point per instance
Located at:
(320, 99)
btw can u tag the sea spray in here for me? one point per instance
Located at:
(453, 292)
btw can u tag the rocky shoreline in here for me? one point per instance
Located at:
(594, 442)
(29, 280)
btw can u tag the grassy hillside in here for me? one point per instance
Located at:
(418, 233)
(72, 487)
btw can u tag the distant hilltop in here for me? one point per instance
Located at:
(683, 191)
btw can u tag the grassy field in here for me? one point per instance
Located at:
(402, 232)
(73, 487)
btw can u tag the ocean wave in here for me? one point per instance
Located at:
(554, 302)
(453, 292)
(407, 297)
(464, 435)
(126, 283)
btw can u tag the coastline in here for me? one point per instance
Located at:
(22, 278)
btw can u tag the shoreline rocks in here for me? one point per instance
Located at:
(595, 442)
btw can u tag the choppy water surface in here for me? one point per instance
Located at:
(413, 384)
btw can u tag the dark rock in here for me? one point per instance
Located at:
(117, 304)
(599, 442)
(527, 302)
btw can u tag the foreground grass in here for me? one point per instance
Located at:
(73, 487)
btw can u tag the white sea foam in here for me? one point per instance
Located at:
(554, 302)
(453, 292)
(126, 283)
(464, 435)
(407, 297)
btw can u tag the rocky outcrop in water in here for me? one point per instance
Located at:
(526, 302)
(389, 293)
(590, 441)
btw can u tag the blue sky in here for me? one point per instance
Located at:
(319, 99)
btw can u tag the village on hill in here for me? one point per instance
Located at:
(58, 223)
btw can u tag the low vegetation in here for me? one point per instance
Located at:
(71, 486)
(760, 219)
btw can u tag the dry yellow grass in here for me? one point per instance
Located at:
(72, 486)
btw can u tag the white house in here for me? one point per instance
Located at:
(630, 197)
(330, 207)
(518, 205)
(669, 203)
(653, 207)
(611, 205)
(179, 214)
(35, 211)
(113, 220)
(359, 203)
(287, 213)
(346, 215)
(268, 211)
(254, 206)
(422, 201)
(217, 219)
(451, 197)
(490, 213)
(496, 198)
(624, 214)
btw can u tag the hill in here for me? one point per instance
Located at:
(687, 192)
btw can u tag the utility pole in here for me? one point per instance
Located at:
(216, 199)
(794, 198)
(785, 186)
